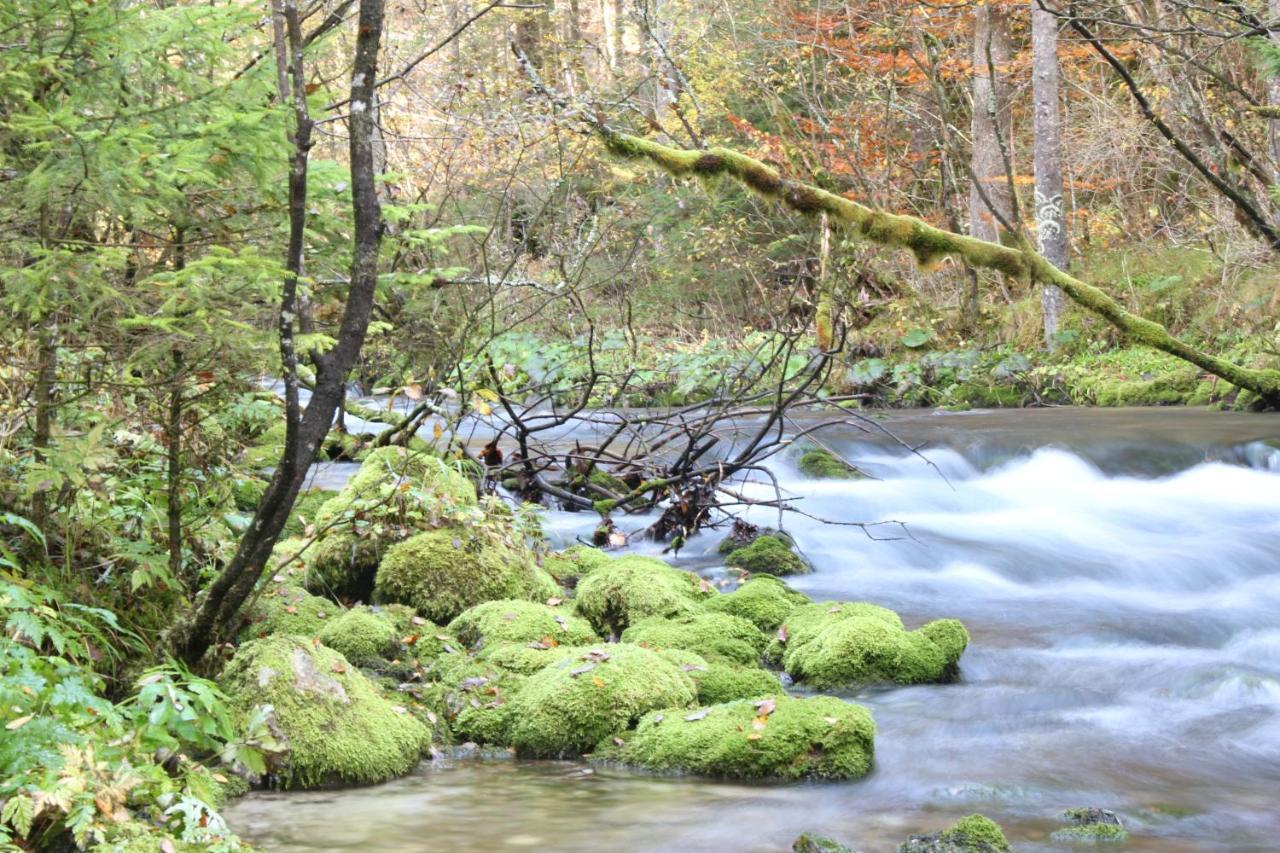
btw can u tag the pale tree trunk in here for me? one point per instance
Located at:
(990, 195)
(1051, 226)
(1273, 92)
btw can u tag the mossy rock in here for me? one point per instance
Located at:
(711, 635)
(567, 708)
(744, 534)
(762, 599)
(972, 834)
(822, 464)
(574, 563)
(767, 555)
(285, 608)
(779, 737)
(524, 658)
(338, 728)
(477, 698)
(838, 644)
(305, 509)
(266, 448)
(361, 635)
(247, 493)
(724, 682)
(632, 588)
(522, 622)
(344, 563)
(1092, 826)
(807, 842)
(441, 573)
(393, 467)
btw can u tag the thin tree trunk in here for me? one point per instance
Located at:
(1273, 93)
(1051, 226)
(217, 614)
(990, 196)
(46, 378)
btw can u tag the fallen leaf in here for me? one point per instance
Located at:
(582, 670)
(617, 741)
(431, 717)
(595, 679)
(697, 715)
(766, 706)
(834, 609)
(290, 609)
(617, 539)
(409, 640)
(554, 602)
(418, 620)
(657, 718)
(338, 667)
(753, 736)
(782, 633)
(692, 667)
(14, 725)
(508, 617)
(831, 721)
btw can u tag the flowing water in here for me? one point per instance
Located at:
(1119, 572)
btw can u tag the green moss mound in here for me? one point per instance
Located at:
(972, 834)
(723, 682)
(712, 635)
(567, 708)
(780, 737)
(809, 843)
(518, 621)
(763, 599)
(339, 728)
(344, 562)
(246, 494)
(285, 608)
(397, 467)
(305, 509)
(476, 697)
(524, 658)
(441, 573)
(767, 555)
(1092, 826)
(825, 465)
(361, 636)
(574, 563)
(840, 644)
(632, 588)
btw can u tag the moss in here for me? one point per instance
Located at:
(976, 833)
(285, 608)
(711, 635)
(568, 707)
(781, 737)
(767, 555)
(763, 599)
(338, 727)
(724, 682)
(809, 843)
(396, 465)
(838, 644)
(246, 494)
(476, 696)
(518, 621)
(343, 563)
(605, 480)
(1097, 833)
(523, 658)
(305, 509)
(820, 463)
(443, 572)
(361, 635)
(632, 588)
(574, 563)
(267, 448)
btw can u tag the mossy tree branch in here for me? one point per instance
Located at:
(930, 244)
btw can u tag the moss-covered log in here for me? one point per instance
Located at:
(930, 245)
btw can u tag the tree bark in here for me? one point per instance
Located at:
(227, 594)
(1051, 226)
(990, 196)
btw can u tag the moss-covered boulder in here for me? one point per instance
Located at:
(337, 726)
(524, 658)
(712, 635)
(837, 644)
(574, 563)
(246, 494)
(476, 696)
(825, 465)
(522, 622)
(972, 834)
(763, 599)
(807, 842)
(567, 708)
(283, 607)
(361, 635)
(632, 588)
(724, 682)
(767, 555)
(779, 737)
(408, 470)
(305, 510)
(1092, 826)
(442, 572)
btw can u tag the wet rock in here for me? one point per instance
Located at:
(809, 843)
(823, 464)
(1092, 825)
(767, 555)
(972, 834)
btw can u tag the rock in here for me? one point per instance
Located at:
(742, 534)
(823, 464)
(712, 635)
(337, 727)
(476, 697)
(443, 572)
(837, 644)
(632, 588)
(1092, 825)
(767, 555)
(361, 635)
(574, 563)
(283, 607)
(305, 509)
(763, 599)
(565, 709)
(972, 834)
(780, 737)
(810, 843)
(522, 622)
(723, 682)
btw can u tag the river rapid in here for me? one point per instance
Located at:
(1119, 572)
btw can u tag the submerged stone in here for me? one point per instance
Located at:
(779, 737)
(568, 707)
(823, 464)
(840, 643)
(1092, 826)
(337, 727)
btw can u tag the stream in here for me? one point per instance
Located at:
(1119, 572)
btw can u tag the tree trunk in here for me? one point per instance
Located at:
(1273, 93)
(990, 196)
(1051, 226)
(227, 594)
